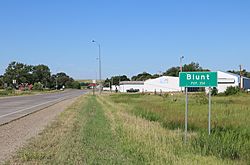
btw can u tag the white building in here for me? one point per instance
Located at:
(131, 85)
(162, 84)
(226, 79)
(171, 84)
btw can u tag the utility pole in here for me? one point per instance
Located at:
(241, 82)
(100, 70)
(181, 66)
(186, 115)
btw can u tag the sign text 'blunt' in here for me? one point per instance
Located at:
(198, 79)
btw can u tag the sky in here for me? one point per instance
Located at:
(134, 35)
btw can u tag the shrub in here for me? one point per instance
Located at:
(214, 91)
(232, 90)
(38, 86)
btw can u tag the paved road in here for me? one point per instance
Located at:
(12, 108)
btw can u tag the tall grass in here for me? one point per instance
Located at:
(148, 142)
(230, 136)
(224, 143)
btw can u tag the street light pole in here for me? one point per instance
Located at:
(100, 70)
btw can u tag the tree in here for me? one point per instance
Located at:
(1, 82)
(142, 77)
(243, 72)
(107, 83)
(174, 71)
(38, 75)
(155, 76)
(20, 72)
(62, 79)
(114, 80)
(193, 67)
(41, 73)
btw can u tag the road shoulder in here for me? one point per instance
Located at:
(16, 134)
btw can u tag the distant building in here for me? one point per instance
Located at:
(171, 84)
(227, 79)
(162, 84)
(131, 85)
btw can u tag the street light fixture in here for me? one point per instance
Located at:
(100, 74)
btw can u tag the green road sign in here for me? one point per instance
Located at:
(198, 79)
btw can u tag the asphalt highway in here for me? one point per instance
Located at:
(12, 108)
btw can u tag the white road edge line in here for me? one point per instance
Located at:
(21, 110)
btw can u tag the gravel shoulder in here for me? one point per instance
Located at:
(17, 133)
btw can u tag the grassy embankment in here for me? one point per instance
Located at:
(4, 93)
(142, 129)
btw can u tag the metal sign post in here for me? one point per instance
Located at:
(186, 114)
(197, 79)
(209, 111)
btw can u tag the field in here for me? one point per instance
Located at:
(144, 129)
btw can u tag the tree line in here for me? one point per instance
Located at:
(17, 74)
(173, 71)
(243, 72)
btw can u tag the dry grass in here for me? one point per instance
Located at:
(149, 141)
